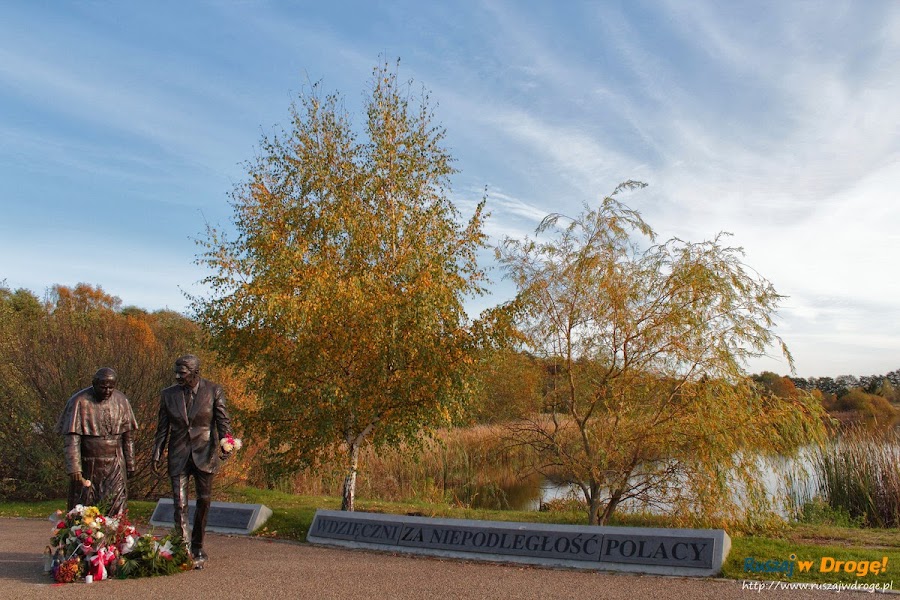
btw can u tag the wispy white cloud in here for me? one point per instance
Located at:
(802, 179)
(38, 149)
(776, 121)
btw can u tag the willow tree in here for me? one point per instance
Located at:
(647, 398)
(343, 290)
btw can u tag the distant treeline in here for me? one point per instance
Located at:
(871, 401)
(844, 383)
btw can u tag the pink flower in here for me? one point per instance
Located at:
(229, 443)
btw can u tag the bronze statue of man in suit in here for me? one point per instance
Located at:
(192, 421)
(97, 423)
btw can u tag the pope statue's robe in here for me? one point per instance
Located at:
(98, 442)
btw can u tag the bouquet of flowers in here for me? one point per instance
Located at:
(154, 556)
(85, 542)
(78, 538)
(229, 444)
(125, 535)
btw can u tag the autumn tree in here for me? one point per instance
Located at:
(871, 410)
(647, 397)
(776, 385)
(51, 349)
(882, 386)
(509, 386)
(343, 290)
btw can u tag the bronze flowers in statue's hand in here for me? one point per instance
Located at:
(227, 445)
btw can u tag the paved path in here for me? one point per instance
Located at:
(242, 567)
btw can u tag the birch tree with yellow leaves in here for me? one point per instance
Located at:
(342, 292)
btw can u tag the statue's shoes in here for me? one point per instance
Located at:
(200, 562)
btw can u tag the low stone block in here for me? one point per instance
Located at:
(699, 552)
(223, 517)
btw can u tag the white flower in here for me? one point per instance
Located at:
(229, 443)
(165, 550)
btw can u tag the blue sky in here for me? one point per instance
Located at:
(124, 126)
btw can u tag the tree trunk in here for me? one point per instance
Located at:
(593, 510)
(348, 495)
(592, 494)
(611, 506)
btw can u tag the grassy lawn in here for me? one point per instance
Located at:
(795, 545)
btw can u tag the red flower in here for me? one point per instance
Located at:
(61, 525)
(88, 541)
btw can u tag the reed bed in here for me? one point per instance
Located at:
(854, 477)
(471, 467)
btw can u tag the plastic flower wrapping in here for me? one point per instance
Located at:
(84, 542)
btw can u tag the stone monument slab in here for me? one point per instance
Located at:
(699, 552)
(223, 517)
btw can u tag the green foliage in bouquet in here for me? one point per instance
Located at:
(151, 556)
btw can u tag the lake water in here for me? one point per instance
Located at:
(531, 492)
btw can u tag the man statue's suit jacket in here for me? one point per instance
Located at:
(195, 434)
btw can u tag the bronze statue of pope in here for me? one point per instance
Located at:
(97, 423)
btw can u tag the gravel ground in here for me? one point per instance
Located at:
(242, 567)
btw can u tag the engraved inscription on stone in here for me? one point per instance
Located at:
(222, 516)
(654, 550)
(218, 516)
(231, 518)
(558, 545)
(376, 532)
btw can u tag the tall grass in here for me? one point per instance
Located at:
(855, 477)
(471, 467)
